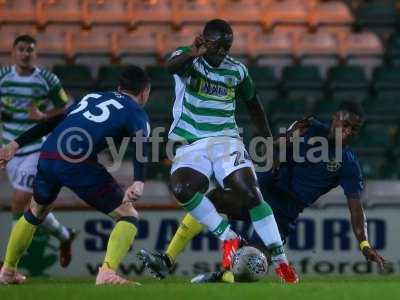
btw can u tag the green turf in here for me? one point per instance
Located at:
(337, 288)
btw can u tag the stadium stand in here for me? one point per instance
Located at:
(305, 56)
(346, 82)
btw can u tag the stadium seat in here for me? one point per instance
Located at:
(242, 11)
(170, 40)
(302, 82)
(95, 47)
(371, 164)
(76, 79)
(330, 13)
(8, 33)
(160, 77)
(265, 81)
(55, 44)
(162, 95)
(377, 14)
(18, 11)
(292, 12)
(150, 12)
(321, 49)
(243, 46)
(347, 82)
(393, 50)
(274, 50)
(58, 11)
(108, 77)
(145, 52)
(382, 108)
(364, 49)
(107, 12)
(386, 81)
(325, 108)
(193, 12)
(374, 139)
(285, 111)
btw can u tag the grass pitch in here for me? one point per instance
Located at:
(335, 288)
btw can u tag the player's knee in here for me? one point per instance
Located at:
(126, 209)
(183, 191)
(250, 195)
(38, 210)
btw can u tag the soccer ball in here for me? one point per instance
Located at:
(249, 264)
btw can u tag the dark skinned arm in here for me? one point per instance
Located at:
(259, 117)
(358, 223)
(178, 63)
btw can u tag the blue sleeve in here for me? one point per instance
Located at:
(351, 178)
(137, 123)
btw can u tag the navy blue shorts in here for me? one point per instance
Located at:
(89, 181)
(286, 209)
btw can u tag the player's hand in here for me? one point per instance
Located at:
(7, 152)
(199, 46)
(134, 192)
(372, 255)
(35, 114)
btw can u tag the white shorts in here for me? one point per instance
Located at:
(21, 171)
(218, 156)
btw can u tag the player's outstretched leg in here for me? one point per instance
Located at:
(189, 187)
(120, 241)
(242, 182)
(20, 239)
(160, 264)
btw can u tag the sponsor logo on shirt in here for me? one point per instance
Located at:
(333, 165)
(213, 89)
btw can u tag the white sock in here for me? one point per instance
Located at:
(265, 225)
(51, 224)
(201, 208)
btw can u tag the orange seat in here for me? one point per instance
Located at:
(330, 13)
(170, 40)
(364, 49)
(320, 49)
(242, 11)
(107, 12)
(194, 11)
(152, 11)
(243, 40)
(21, 11)
(144, 41)
(274, 49)
(285, 12)
(8, 33)
(58, 11)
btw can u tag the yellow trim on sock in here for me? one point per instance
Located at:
(121, 239)
(20, 239)
(187, 230)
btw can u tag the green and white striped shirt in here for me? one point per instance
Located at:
(205, 98)
(18, 93)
